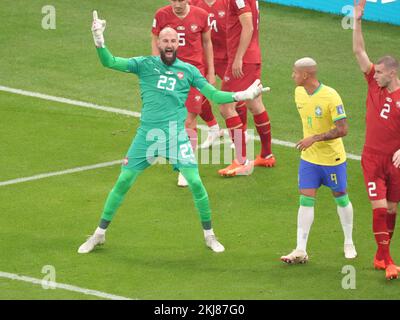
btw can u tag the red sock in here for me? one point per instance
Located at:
(391, 222)
(241, 109)
(264, 131)
(207, 114)
(192, 133)
(381, 233)
(235, 127)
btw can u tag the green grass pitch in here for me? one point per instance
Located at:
(155, 248)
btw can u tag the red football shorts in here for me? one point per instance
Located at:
(195, 98)
(194, 101)
(220, 67)
(382, 178)
(251, 72)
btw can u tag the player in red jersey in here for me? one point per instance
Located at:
(195, 47)
(217, 13)
(381, 154)
(244, 66)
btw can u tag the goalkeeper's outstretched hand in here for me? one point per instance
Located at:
(98, 27)
(251, 92)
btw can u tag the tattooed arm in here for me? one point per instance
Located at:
(339, 131)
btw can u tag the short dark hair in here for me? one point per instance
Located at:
(389, 62)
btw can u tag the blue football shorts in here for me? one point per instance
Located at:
(312, 176)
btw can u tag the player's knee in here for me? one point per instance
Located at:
(343, 201)
(122, 185)
(125, 180)
(392, 207)
(197, 187)
(191, 121)
(196, 184)
(227, 111)
(256, 106)
(306, 201)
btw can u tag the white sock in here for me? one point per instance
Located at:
(214, 128)
(305, 219)
(346, 219)
(100, 231)
(209, 232)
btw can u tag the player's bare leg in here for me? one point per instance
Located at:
(305, 219)
(241, 165)
(263, 126)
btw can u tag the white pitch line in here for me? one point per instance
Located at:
(59, 173)
(69, 101)
(62, 286)
(128, 113)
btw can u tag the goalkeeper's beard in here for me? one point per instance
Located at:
(166, 60)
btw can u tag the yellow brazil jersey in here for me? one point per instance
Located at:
(318, 113)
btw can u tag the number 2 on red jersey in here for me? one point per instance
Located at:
(385, 111)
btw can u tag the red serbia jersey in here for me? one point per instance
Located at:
(217, 21)
(383, 118)
(234, 29)
(189, 30)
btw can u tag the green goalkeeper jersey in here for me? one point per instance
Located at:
(164, 89)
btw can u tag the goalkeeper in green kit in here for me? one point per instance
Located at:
(165, 82)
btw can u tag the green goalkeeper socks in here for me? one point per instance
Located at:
(127, 179)
(117, 195)
(200, 195)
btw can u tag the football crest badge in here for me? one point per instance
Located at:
(318, 111)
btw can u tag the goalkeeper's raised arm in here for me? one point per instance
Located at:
(168, 45)
(106, 58)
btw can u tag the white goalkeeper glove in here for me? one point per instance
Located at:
(251, 92)
(98, 28)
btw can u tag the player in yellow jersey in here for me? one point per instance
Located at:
(323, 158)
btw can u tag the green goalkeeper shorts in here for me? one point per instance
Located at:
(149, 144)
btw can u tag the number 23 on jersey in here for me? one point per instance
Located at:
(166, 83)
